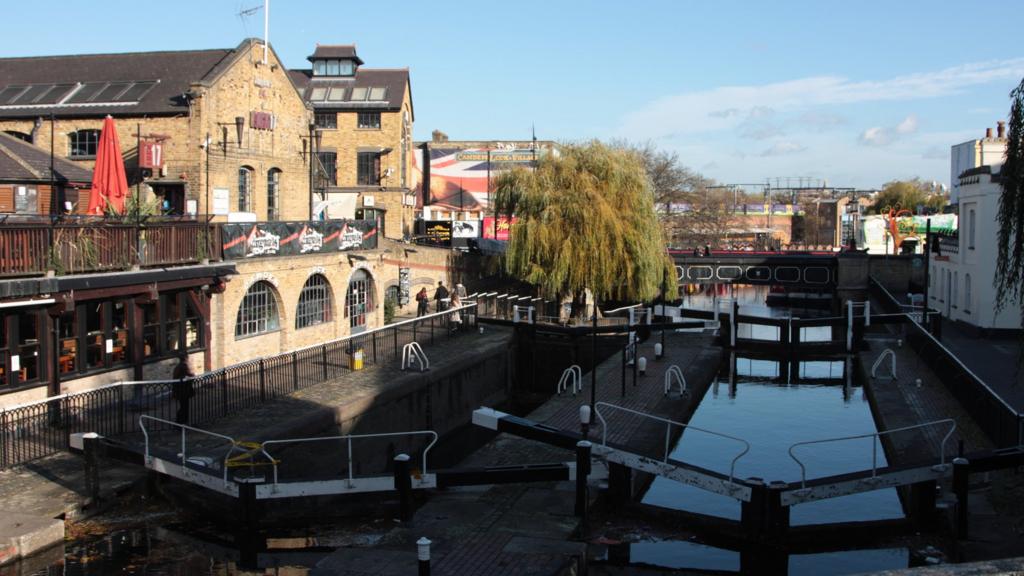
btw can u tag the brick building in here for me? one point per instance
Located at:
(27, 185)
(364, 119)
(231, 126)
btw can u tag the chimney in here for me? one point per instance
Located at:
(439, 136)
(1001, 129)
(988, 133)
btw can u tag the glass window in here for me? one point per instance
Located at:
(368, 169)
(150, 330)
(314, 302)
(319, 68)
(245, 189)
(4, 372)
(970, 229)
(329, 162)
(369, 120)
(328, 120)
(82, 144)
(120, 333)
(68, 336)
(332, 68)
(273, 194)
(19, 135)
(967, 292)
(318, 94)
(377, 93)
(28, 346)
(359, 93)
(337, 94)
(258, 312)
(346, 68)
(94, 345)
(193, 325)
(172, 322)
(356, 300)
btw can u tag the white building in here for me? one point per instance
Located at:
(974, 153)
(960, 282)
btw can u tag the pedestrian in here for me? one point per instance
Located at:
(441, 296)
(422, 300)
(181, 390)
(456, 315)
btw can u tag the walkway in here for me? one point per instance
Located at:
(997, 361)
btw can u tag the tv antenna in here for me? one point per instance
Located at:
(246, 12)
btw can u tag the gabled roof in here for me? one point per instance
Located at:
(94, 85)
(339, 51)
(23, 162)
(393, 81)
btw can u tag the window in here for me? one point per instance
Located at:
(377, 93)
(273, 194)
(245, 189)
(327, 120)
(82, 144)
(357, 300)
(368, 169)
(359, 93)
(970, 229)
(258, 312)
(346, 68)
(314, 302)
(967, 293)
(337, 94)
(318, 94)
(369, 120)
(956, 288)
(332, 67)
(19, 135)
(96, 336)
(319, 67)
(329, 163)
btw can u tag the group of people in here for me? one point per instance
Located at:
(443, 300)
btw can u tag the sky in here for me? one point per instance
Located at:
(851, 94)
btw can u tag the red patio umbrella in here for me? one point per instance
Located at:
(109, 184)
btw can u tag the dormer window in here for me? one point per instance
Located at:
(334, 67)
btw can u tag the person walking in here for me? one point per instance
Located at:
(182, 390)
(456, 315)
(441, 296)
(422, 301)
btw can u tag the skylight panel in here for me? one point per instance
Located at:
(10, 93)
(377, 93)
(136, 92)
(29, 96)
(86, 92)
(337, 94)
(55, 94)
(358, 93)
(318, 93)
(112, 92)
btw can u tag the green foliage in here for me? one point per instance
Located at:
(1009, 278)
(135, 209)
(908, 195)
(389, 310)
(585, 220)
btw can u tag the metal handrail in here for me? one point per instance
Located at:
(668, 431)
(874, 445)
(184, 428)
(412, 351)
(349, 438)
(881, 357)
(674, 370)
(573, 374)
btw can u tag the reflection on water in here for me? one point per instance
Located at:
(752, 301)
(683, 555)
(772, 418)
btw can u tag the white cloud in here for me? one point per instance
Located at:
(908, 125)
(876, 136)
(725, 107)
(782, 148)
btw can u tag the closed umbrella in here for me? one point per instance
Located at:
(109, 184)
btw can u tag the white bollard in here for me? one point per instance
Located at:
(642, 365)
(657, 350)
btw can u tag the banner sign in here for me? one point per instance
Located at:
(438, 232)
(258, 239)
(151, 155)
(404, 283)
(500, 232)
(466, 229)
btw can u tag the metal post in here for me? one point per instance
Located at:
(961, 479)
(582, 469)
(593, 356)
(752, 513)
(263, 381)
(91, 447)
(733, 324)
(403, 484)
(423, 556)
(849, 325)
(927, 265)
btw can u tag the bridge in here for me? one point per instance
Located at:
(793, 269)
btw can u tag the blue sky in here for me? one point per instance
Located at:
(855, 93)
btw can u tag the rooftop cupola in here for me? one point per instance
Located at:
(338, 60)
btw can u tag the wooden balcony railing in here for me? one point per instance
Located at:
(78, 247)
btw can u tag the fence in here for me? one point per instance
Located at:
(1000, 422)
(39, 429)
(76, 247)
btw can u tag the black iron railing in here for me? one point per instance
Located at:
(1001, 422)
(39, 429)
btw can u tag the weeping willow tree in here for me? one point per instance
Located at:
(585, 220)
(1010, 258)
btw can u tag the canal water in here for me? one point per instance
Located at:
(747, 401)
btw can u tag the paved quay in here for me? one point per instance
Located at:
(530, 528)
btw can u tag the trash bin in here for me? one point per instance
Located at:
(357, 359)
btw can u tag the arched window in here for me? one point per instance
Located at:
(314, 302)
(83, 143)
(19, 135)
(967, 292)
(245, 189)
(258, 312)
(273, 194)
(358, 299)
